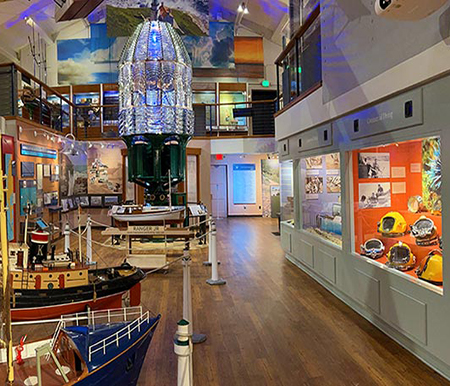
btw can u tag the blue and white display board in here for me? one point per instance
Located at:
(244, 184)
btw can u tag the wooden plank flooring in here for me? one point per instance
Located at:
(271, 324)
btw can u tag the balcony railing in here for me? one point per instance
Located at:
(24, 95)
(300, 63)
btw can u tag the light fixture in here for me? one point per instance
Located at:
(246, 12)
(90, 145)
(35, 133)
(241, 8)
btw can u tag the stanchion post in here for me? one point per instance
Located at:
(183, 349)
(89, 240)
(215, 280)
(187, 296)
(211, 224)
(66, 238)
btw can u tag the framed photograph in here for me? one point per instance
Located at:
(70, 202)
(314, 162)
(27, 169)
(65, 205)
(374, 165)
(39, 176)
(54, 173)
(373, 195)
(47, 170)
(84, 201)
(314, 185)
(333, 184)
(111, 200)
(76, 202)
(97, 201)
(332, 161)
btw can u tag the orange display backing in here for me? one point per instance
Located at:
(401, 155)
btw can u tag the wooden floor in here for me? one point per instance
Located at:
(271, 324)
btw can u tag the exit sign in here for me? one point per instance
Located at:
(265, 83)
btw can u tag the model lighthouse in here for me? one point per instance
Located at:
(156, 117)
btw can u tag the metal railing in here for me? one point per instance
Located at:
(300, 63)
(24, 95)
(115, 338)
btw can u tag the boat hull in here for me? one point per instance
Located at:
(52, 303)
(173, 214)
(123, 369)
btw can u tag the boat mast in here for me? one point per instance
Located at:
(5, 277)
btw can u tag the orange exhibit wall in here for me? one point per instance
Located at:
(406, 156)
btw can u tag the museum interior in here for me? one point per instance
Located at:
(224, 192)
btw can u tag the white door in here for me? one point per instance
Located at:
(219, 190)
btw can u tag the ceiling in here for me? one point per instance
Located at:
(266, 18)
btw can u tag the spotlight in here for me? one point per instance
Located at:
(246, 12)
(241, 8)
(90, 145)
(35, 133)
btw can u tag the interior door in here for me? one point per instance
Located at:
(219, 190)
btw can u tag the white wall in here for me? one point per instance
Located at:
(429, 64)
(229, 160)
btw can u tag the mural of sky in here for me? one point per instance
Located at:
(215, 50)
(190, 17)
(94, 60)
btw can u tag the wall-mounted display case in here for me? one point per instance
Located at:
(320, 183)
(391, 265)
(398, 206)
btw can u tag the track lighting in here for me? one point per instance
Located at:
(243, 8)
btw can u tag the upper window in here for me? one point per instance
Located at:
(397, 206)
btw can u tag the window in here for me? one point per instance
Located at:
(320, 186)
(397, 206)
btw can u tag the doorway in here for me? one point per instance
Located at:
(219, 191)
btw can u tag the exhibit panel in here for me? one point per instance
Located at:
(287, 192)
(392, 267)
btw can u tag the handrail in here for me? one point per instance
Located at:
(236, 103)
(299, 33)
(117, 336)
(32, 77)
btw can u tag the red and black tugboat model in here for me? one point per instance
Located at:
(47, 285)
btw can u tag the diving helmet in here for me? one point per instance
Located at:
(415, 204)
(400, 257)
(373, 248)
(430, 268)
(424, 231)
(392, 224)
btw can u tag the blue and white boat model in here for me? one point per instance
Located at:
(105, 347)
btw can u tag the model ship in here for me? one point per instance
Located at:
(48, 285)
(100, 347)
(137, 213)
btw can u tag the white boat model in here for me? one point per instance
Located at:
(136, 213)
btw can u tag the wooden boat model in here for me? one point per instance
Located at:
(62, 285)
(136, 213)
(96, 348)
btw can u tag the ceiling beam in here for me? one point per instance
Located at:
(281, 25)
(9, 54)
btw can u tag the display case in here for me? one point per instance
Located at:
(287, 192)
(397, 206)
(320, 185)
(227, 99)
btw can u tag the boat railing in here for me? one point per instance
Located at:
(94, 318)
(115, 338)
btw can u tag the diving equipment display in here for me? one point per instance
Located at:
(400, 257)
(373, 248)
(425, 232)
(392, 224)
(430, 268)
(415, 204)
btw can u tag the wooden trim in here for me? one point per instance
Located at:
(232, 87)
(210, 137)
(299, 33)
(236, 103)
(299, 98)
(193, 151)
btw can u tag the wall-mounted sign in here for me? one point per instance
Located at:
(37, 151)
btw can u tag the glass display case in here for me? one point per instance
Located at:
(287, 191)
(397, 206)
(320, 184)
